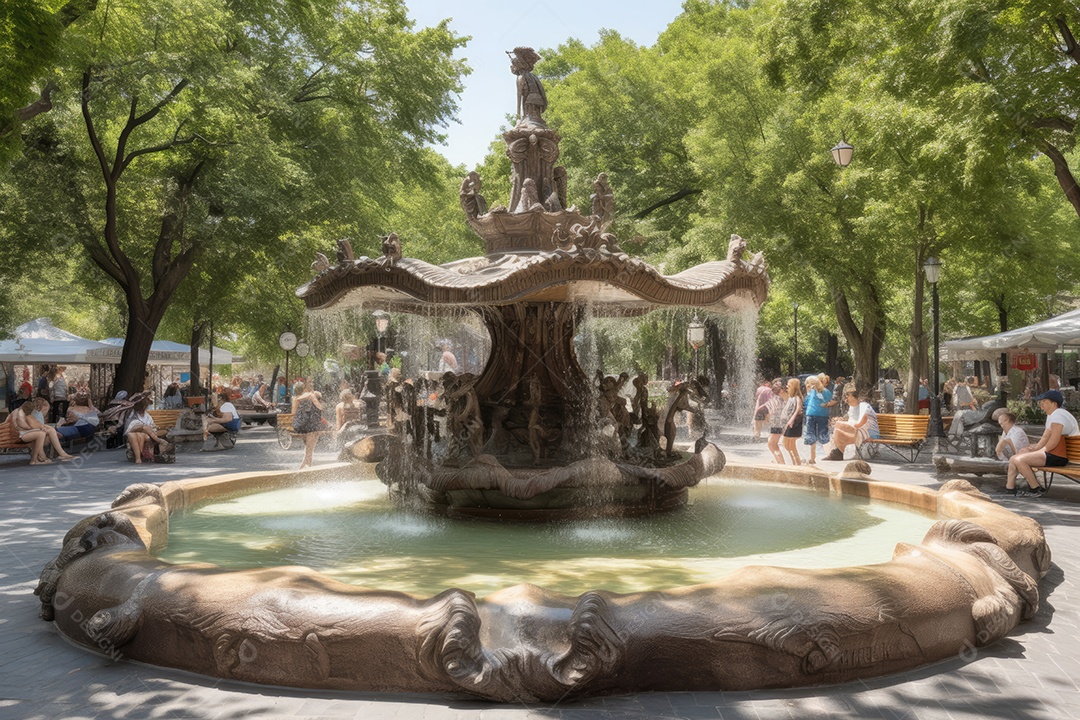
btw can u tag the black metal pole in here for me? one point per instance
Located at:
(286, 376)
(795, 348)
(937, 429)
(210, 371)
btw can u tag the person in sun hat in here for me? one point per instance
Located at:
(1049, 451)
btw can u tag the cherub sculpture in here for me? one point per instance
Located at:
(472, 202)
(391, 249)
(603, 201)
(344, 251)
(736, 248)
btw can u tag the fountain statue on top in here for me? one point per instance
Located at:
(532, 436)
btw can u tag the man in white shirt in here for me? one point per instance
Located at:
(861, 425)
(1049, 451)
(1013, 438)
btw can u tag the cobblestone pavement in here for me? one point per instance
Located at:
(1033, 673)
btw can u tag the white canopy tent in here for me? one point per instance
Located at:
(39, 341)
(1054, 334)
(162, 352)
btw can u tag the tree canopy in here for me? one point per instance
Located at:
(239, 134)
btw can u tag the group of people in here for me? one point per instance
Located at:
(52, 386)
(811, 410)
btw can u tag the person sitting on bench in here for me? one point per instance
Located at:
(861, 425)
(225, 419)
(1049, 451)
(141, 429)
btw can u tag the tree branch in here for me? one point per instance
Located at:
(95, 142)
(1071, 48)
(685, 192)
(172, 228)
(42, 105)
(1055, 123)
(1063, 173)
(101, 257)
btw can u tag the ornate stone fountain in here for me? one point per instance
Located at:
(970, 581)
(533, 436)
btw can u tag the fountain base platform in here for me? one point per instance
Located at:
(497, 488)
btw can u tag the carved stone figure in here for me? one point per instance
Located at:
(612, 405)
(649, 432)
(681, 396)
(391, 249)
(530, 199)
(603, 201)
(472, 202)
(344, 251)
(464, 422)
(538, 434)
(531, 99)
(640, 400)
(559, 174)
(736, 248)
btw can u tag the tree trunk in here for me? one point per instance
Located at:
(141, 327)
(917, 362)
(832, 353)
(865, 341)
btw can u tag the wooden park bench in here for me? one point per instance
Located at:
(903, 434)
(164, 420)
(1070, 471)
(9, 439)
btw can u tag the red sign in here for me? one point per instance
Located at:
(1025, 361)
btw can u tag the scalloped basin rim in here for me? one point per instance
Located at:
(968, 583)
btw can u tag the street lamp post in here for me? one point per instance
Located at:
(695, 336)
(795, 344)
(932, 268)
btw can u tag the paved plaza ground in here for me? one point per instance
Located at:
(1033, 673)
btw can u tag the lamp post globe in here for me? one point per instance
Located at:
(695, 337)
(842, 153)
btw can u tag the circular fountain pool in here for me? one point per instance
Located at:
(351, 532)
(719, 612)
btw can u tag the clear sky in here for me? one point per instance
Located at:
(500, 25)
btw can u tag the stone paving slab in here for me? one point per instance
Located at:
(1033, 673)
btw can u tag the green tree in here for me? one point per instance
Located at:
(184, 126)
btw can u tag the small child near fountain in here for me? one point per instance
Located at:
(773, 408)
(816, 427)
(792, 419)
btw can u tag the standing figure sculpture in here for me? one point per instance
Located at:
(463, 417)
(538, 434)
(681, 396)
(641, 397)
(472, 202)
(603, 201)
(531, 99)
